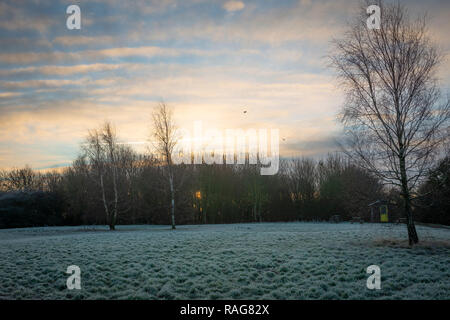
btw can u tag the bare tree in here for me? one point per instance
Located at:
(165, 140)
(51, 181)
(23, 179)
(103, 152)
(256, 189)
(393, 116)
(302, 179)
(3, 180)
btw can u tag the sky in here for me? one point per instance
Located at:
(209, 60)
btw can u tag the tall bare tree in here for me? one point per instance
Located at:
(103, 151)
(394, 116)
(165, 140)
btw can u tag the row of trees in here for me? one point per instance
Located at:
(111, 184)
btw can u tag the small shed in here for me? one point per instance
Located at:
(379, 211)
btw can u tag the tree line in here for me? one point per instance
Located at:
(110, 183)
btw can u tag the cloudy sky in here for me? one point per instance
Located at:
(210, 60)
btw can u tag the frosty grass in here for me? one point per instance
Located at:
(236, 261)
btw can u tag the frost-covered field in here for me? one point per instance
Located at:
(238, 261)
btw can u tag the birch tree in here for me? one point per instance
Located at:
(165, 140)
(102, 150)
(394, 116)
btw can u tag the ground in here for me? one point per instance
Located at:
(236, 261)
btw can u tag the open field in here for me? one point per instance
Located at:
(237, 261)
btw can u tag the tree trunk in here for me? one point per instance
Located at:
(412, 233)
(112, 222)
(116, 197)
(258, 209)
(172, 203)
(105, 204)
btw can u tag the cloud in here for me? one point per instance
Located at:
(274, 26)
(14, 18)
(9, 94)
(61, 70)
(232, 6)
(317, 146)
(52, 83)
(83, 40)
(99, 55)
